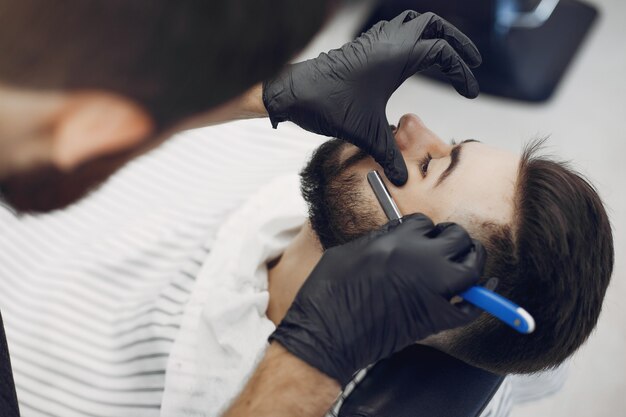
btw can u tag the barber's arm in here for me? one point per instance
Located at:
(285, 386)
(363, 302)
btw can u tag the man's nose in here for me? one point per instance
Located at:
(414, 139)
(408, 132)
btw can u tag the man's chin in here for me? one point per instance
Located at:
(47, 188)
(338, 209)
(312, 236)
(338, 212)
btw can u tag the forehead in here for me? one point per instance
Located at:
(483, 185)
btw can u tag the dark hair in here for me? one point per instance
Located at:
(556, 261)
(176, 58)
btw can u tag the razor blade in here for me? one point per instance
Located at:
(483, 298)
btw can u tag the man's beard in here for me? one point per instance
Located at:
(47, 188)
(339, 210)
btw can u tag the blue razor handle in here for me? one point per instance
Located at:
(494, 304)
(501, 308)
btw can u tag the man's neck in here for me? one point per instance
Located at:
(292, 269)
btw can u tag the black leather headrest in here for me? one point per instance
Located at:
(421, 381)
(8, 399)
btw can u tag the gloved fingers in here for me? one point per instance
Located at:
(413, 221)
(470, 309)
(454, 241)
(454, 314)
(387, 227)
(373, 234)
(468, 269)
(376, 28)
(404, 17)
(439, 28)
(441, 54)
(492, 283)
(440, 227)
(480, 257)
(390, 158)
(418, 222)
(474, 260)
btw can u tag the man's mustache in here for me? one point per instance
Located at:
(354, 159)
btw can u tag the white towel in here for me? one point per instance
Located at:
(225, 329)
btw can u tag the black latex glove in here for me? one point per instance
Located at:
(376, 295)
(344, 93)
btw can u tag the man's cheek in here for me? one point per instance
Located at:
(410, 200)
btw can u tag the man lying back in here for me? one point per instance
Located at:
(546, 232)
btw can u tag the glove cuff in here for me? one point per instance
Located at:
(276, 99)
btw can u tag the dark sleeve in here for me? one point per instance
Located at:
(8, 398)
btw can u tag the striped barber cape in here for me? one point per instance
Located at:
(92, 296)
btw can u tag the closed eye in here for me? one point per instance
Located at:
(423, 164)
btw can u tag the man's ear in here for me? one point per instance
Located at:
(94, 124)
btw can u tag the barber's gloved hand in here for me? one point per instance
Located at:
(376, 295)
(344, 93)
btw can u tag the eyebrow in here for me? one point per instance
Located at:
(455, 157)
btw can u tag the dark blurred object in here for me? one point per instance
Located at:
(526, 44)
(421, 381)
(8, 399)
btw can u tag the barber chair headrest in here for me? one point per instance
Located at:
(421, 381)
(8, 399)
